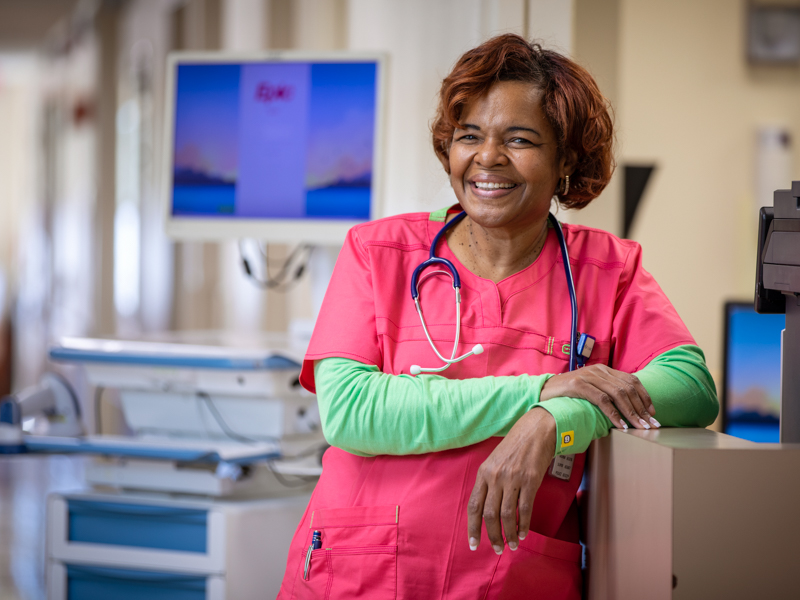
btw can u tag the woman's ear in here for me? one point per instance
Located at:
(568, 162)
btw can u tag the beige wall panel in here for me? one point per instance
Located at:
(243, 25)
(320, 24)
(596, 47)
(552, 22)
(504, 16)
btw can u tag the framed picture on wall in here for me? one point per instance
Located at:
(773, 34)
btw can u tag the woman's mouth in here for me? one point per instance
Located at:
(493, 186)
(491, 189)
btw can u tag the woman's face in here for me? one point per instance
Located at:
(504, 166)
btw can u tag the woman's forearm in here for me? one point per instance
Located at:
(367, 412)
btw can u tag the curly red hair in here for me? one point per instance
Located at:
(572, 103)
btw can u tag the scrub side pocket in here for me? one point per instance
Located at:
(542, 567)
(358, 558)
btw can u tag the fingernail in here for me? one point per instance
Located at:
(498, 549)
(654, 422)
(512, 546)
(644, 423)
(624, 424)
(473, 544)
(522, 536)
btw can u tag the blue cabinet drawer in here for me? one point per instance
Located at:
(103, 583)
(137, 525)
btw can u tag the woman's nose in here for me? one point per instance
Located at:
(491, 154)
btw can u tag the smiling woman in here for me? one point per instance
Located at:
(430, 477)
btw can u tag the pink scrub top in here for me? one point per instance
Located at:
(396, 526)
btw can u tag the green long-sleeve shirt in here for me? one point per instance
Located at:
(367, 412)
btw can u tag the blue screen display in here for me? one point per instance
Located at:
(275, 140)
(753, 374)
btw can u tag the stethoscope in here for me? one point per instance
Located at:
(578, 352)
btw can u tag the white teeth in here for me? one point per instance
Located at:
(493, 186)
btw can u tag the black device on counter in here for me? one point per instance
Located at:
(778, 291)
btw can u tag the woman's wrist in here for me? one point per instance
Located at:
(541, 426)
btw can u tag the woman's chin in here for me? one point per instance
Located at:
(492, 215)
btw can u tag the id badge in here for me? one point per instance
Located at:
(561, 467)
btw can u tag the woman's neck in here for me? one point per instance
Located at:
(496, 253)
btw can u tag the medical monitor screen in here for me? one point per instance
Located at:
(277, 143)
(751, 394)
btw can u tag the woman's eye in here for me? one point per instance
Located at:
(520, 142)
(467, 137)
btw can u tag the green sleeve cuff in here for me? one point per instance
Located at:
(578, 422)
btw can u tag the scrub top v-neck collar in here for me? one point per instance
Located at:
(494, 295)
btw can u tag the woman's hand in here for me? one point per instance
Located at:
(614, 392)
(509, 478)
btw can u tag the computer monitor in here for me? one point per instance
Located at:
(751, 373)
(283, 146)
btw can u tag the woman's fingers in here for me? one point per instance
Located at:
(508, 516)
(497, 509)
(526, 497)
(604, 401)
(491, 518)
(629, 396)
(475, 511)
(594, 389)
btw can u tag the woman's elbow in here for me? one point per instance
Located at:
(705, 410)
(709, 413)
(340, 435)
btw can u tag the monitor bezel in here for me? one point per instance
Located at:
(309, 231)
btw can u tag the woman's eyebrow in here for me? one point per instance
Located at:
(513, 128)
(520, 128)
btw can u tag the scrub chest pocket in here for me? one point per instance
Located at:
(358, 558)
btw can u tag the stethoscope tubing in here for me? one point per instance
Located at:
(573, 338)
